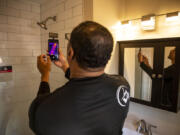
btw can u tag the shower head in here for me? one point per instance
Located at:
(42, 24)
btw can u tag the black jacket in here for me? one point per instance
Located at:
(86, 106)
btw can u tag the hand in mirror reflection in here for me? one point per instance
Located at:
(143, 58)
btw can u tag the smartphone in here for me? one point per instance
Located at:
(53, 47)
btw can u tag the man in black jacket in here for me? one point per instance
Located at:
(91, 102)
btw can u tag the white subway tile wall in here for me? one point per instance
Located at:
(20, 43)
(18, 5)
(69, 14)
(77, 11)
(3, 36)
(3, 19)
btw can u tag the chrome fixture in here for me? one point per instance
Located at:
(149, 128)
(144, 128)
(42, 24)
(173, 16)
(148, 22)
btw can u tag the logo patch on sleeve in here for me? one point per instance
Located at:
(122, 95)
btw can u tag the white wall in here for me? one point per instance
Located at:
(21, 40)
(19, 46)
(106, 12)
(138, 8)
(69, 14)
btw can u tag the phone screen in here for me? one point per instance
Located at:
(53, 46)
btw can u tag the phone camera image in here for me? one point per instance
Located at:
(53, 49)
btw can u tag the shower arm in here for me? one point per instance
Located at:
(53, 18)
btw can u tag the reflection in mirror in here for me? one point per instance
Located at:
(138, 66)
(168, 76)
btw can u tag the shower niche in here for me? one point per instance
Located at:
(152, 68)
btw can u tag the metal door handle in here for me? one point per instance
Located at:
(153, 76)
(159, 76)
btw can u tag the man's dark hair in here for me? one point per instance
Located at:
(92, 44)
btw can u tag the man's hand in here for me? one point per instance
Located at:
(146, 61)
(140, 57)
(143, 58)
(44, 67)
(62, 62)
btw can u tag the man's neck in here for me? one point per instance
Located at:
(78, 72)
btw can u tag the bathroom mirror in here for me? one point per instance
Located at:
(139, 80)
(152, 68)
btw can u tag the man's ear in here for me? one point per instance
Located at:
(70, 53)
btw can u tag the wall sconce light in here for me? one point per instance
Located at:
(117, 26)
(173, 16)
(148, 22)
(126, 23)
